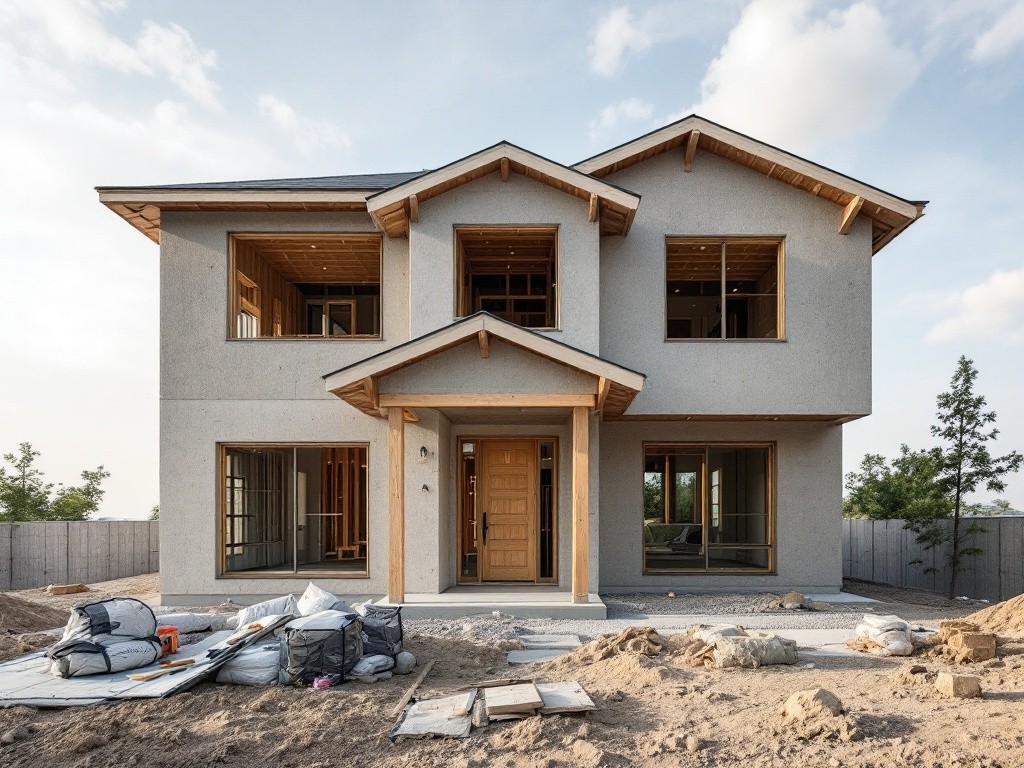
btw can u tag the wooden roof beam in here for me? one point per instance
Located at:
(594, 201)
(414, 208)
(483, 339)
(850, 213)
(691, 150)
(506, 168)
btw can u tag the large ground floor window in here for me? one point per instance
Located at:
(293, 509)
(708, 508)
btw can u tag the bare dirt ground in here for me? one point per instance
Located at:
(647, 708)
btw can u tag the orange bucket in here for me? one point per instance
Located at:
(168, 640)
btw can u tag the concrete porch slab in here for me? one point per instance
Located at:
(534, 655)
(525, 602)
(551, 642)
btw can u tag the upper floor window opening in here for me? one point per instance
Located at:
(305, 285)
(510, 272)
(724, 288)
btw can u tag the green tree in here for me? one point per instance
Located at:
(154, 513)
(23, 493)
(964, 465)
(906, 487)
(25, 496)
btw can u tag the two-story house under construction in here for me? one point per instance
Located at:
(509, 379)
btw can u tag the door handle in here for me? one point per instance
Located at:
(485, 527)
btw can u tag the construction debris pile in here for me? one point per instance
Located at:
(727, 645)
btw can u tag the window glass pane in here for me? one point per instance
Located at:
(693, 299)
(714, 494)
(340, 320)
(752, 290)
(256, 509)
(315, 318)
(743, 493)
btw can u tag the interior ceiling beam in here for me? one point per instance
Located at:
(691, 150)
(594, 201)
(483, 339)
(414, 208)
(850, 213)
(506, 168)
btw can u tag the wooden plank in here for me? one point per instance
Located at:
(506, 168)
(5, 556)
(503, 400)
(580, 505)
(396, 506)
(411, 690)
(592, 213)
(512, 699)
(603, 387)
(485, 345)
(414, 208)
(850, 213)
(691, 150)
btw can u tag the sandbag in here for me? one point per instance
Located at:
(102, 655)
(123, 617)
(188, 623)
(258, 665)
(382, 630)
(315, 600)
(329, 642)
(371, 665)
(887, 635)
(277, 606)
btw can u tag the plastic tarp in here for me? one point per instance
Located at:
(329, 642)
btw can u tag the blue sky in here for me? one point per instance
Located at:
(923, 99)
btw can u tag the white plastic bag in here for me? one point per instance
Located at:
(259, 665)
(315, 600)
(275, 607)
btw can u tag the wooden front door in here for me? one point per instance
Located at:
(508, 510)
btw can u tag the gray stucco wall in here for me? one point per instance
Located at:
(518, 201)
(506, 369)
(824, 365)
(808, 515)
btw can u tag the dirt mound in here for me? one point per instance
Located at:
(1005, 618)
(641, 641)
(19, 616)
(626, 660)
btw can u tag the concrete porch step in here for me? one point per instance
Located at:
(522, 603)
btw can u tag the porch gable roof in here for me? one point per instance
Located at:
(356, 384)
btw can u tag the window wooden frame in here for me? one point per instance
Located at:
(221, 491)
(724, 241)
(771, 500)
(458, 303)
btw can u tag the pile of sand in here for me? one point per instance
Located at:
(19, 616)
(1005, 618)
(641, 641)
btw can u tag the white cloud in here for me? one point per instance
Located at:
(73, 30)
(990, 310)
(1002, 37)
(616, 34)
(627, 110)
(170, 49)
(307, 134)
(799, 80)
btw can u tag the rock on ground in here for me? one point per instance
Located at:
(810, 704)
(958, 686)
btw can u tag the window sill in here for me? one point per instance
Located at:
(713, 572)
(307, 338)
(725, 341)
(292, 575)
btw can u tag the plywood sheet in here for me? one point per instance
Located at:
(567, 696)
(513, 698)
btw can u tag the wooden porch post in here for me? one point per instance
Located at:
(396, 505)
(580, 504)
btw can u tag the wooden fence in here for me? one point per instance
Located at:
(39, 554)
(883, 551)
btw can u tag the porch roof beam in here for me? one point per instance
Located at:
(507, 400)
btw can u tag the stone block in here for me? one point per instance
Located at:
(958, 686)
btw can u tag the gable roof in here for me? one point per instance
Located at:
(393, 209)
(365, 181)
(889, 214)
(356, 383)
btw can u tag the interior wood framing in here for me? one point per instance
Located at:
(492, 249)
(771, 498)
(221, 492)
(275, 262)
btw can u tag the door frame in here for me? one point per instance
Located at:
(461, 480)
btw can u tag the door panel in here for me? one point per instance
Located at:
(508, 505)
